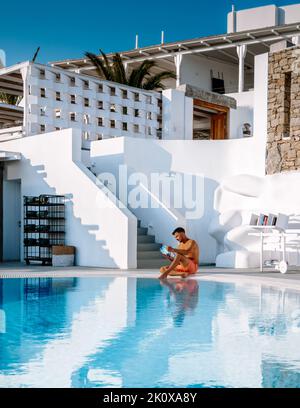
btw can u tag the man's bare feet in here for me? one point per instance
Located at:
(163, 276)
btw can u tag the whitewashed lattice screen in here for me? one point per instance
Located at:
(59, 99)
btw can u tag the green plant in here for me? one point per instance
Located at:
(140, 77)
(9, 99)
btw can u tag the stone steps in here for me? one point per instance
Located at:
(148, 253)
(152, 263)
(148, 246)
(142, 239)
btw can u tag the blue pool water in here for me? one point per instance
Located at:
(128, 332)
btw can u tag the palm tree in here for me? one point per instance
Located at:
(9, 99)
(140, 77)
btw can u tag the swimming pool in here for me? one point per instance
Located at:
(129, 332)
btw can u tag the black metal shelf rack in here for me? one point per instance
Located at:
(44, 226)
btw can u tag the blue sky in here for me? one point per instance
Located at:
(67, 28)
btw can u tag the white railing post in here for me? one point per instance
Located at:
(178, 61)
(241, 51)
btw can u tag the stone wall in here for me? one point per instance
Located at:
(283, 143)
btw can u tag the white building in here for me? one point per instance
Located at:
(210, 124)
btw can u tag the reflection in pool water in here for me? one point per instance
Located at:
(128, 332)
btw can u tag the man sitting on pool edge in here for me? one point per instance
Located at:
(186, 258)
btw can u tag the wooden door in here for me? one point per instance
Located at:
(218, 130)
(219, 118)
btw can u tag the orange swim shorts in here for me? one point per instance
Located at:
(191, 268)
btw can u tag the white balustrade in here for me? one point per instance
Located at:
(59, 99)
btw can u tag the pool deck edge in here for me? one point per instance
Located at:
(242, 276)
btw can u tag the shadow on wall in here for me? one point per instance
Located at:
(162, 220)
(85, 234)
(82, 236)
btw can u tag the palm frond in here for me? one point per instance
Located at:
(119, 70)
(140, 77)
(154, 81)
(139, 74)
(107, 65)
(103, 69)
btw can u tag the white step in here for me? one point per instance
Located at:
(142, 239)
(149, 255)
(152, 263)
(142, 231)
(149, 246)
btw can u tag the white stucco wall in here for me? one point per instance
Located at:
(118, 157)
(242, 114)
(177, 115)
(11, 219)
(261, 17)
(289, 14)
(196, 70)
(103, 233)
(252, 18)
(260, 112)
(208, 161)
